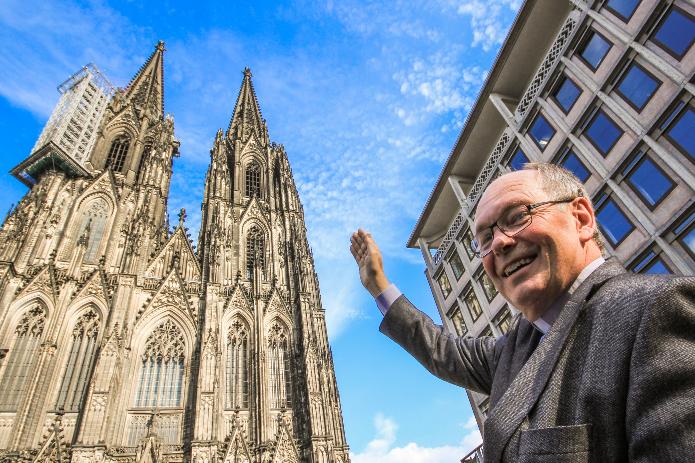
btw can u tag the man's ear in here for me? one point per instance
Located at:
(585, 217)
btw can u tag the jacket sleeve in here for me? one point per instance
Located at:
(660, 413)
(467, 362)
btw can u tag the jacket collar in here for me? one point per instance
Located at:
(544, 323)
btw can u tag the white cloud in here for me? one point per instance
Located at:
(55, 43)
(442, 82)
(489, 19)
(381, 449)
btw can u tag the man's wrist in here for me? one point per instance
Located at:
(379, 284)
(385, 300)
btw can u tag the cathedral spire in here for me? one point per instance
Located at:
(218, 180)
(146, 89)
(247, 117)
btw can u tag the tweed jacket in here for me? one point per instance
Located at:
(613, 379)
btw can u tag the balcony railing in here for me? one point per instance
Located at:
(478, 186)
(547, 66)
(475, 456)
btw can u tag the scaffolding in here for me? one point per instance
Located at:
(71, 131)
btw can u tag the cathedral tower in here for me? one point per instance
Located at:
(120, 342)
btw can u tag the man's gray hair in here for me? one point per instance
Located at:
(560, 183)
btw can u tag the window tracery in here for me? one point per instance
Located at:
(161, 373)
(22, 356)
(253, 180)
(146, 152)
(255, 250)
(279, 366)
(82, 351)
(117, 154)
(94, 217)
(237, 391)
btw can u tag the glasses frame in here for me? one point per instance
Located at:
(529, 210)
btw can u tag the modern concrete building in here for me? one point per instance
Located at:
(604, 88)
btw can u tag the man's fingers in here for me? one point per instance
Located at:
(356, 240)
(358, 248)
(363, 245)
(354, 254)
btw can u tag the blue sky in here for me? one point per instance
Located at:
(367, 97)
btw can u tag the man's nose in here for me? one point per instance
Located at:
(501, 243)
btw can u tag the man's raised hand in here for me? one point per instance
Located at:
(368, 258)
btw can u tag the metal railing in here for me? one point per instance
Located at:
(547, 65)
(475, 456)
(479, 185)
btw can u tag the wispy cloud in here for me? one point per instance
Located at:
(439, 84)
(381, 449)
(57, 40)
(489, 19)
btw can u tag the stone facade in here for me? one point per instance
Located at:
(121, 341)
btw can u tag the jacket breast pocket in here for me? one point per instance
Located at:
(561, 444)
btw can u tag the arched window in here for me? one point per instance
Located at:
(253, 180)
(146, 150)
(22, 354)
(117, 154)
(255, 250)
(237, 377)
(82, 350)
(161, 371)
(277, 187)
(94, 217)
(279, 367)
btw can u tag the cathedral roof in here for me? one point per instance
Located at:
(147, 86)
(247, 112)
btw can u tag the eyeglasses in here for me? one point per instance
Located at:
(512, 222)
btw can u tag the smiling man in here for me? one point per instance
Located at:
(599, 365)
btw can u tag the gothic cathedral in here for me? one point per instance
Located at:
(122, 342)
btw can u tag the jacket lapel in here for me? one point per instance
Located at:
(527, 386)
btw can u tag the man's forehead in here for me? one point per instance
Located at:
(509, 189)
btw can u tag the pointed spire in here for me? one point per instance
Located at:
(218, 180)
(247, 117)
(217, 144)
(146, 89)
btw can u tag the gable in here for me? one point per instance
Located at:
(253, 212)
(239, 299)
(276, 305)
(104, 184)
(95, 286)
(53, 448)
(237, 449)
(170, 294)
(178, 247)
(41, 282)
(285, 448)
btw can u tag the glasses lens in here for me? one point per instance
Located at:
(515, 220)
(475, 246)
(482, 242)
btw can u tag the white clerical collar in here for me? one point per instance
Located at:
(544, 323)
